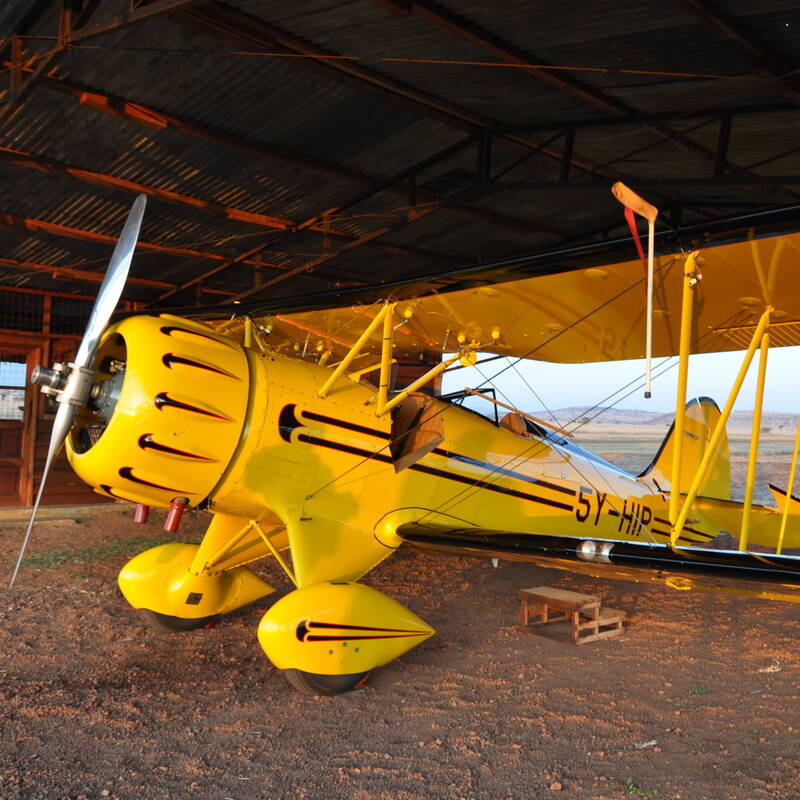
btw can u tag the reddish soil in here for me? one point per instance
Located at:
(699, 698)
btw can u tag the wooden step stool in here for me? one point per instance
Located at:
(588, 622)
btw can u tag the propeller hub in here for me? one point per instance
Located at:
(68, 383)
(52, 380)
(79, 384)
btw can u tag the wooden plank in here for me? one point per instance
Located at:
(582, 620)
(559, 598)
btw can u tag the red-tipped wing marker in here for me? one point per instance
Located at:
(637, 205)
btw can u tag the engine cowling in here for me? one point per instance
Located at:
(169, 404)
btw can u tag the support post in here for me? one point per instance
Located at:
(274, 550)
(711, 447)
(651, 237)
(202, 565)
(384, 406)
(754, 437)
(70, 13)
(386, 357)
(356, 374)
(248, 332)
(687, 304)
(789, 490)
(354, 350)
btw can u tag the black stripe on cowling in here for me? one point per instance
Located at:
(698, 533)
(146, 442)
(666, 522)
(164, 400)
(492, 487)
(168, 359)
(168, 330)
(344, 448)
(127, 473)
(335, 626)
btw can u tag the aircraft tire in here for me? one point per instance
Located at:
(314, 684)
(164, 622)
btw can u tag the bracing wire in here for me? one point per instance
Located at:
(488, 380)
(539, 446)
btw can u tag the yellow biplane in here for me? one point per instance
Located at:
(284, 427)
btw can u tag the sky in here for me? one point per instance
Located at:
(565, 385)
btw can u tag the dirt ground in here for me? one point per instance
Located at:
(699, 699)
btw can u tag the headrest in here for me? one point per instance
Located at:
(515, 423)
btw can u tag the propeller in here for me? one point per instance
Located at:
(71, 383)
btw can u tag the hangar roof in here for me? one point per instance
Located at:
(294, 147)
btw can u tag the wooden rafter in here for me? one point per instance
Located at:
(367, 238)
(86, 276)
(271, 222)
(149, 117)
(31, 225)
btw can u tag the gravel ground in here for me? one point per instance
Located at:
(699, 698)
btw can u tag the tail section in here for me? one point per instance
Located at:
(701, 417)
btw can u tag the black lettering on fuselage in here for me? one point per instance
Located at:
(601, 501)
(626, 516)
(646, 516)
(584, 507)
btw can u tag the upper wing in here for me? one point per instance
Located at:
(590, 314)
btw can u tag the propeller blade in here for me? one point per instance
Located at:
(79, 381)
(113, 283)
(65, 416)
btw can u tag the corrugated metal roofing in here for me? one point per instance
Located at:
(262, 128)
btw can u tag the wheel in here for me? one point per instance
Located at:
(165, 622)
(311, 683)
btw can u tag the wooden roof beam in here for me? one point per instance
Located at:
(131, 16)
(152, 118)
(43, 164)
(363, 240)
(86, 276)
(74, 27)
(37, 226)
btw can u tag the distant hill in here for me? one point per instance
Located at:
(616, 416)
(775, 420)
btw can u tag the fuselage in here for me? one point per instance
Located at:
(244, 433)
